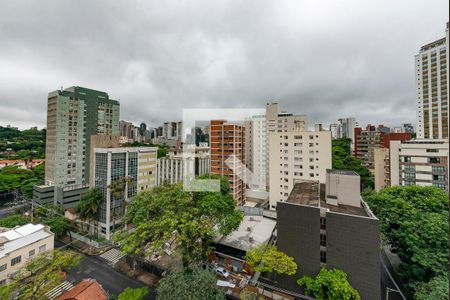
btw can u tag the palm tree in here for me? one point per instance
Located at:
(89, 206)
(117, 188)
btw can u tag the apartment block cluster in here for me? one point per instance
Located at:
(278, 165)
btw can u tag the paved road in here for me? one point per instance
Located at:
(112, 281)
(10, 210)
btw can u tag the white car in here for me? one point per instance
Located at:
(222, 272)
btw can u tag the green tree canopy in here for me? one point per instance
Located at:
(343, 159)
(199, 284)
(435, 289)
(168, 211)
(40, 275)
(414, 222)
(329, 284)
(89, 205)
(53, 217)
(133, 294)
(268, 258)
(13, 220)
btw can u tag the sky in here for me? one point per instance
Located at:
(326, 59)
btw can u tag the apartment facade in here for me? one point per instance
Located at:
(329, 225)
(173, 169)
(366, 141)
(420, 162)
(228, 159)
(281, 121)
(20, 245)
(381, 168)
(297, 155)
(73, 116)
(347, 128)
(137, 164)
(256, 151)
(431, 65)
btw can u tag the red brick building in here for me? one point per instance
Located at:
(228, 155)
(372, 138)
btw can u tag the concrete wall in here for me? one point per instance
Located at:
(298, 229)
(353, 245)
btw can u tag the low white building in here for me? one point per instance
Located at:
(21, 244)
(419, 162)
(297, 155)
(173, 168)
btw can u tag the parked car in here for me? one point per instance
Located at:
(222, 272)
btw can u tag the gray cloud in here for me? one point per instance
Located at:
(327, 59)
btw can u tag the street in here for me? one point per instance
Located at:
(112, 281)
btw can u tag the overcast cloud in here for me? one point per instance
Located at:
(326, 59)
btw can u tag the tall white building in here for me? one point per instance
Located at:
(280, 121)
(347, 128)
(431, 64)
(297, 155)
(335, 130)
(256, 152)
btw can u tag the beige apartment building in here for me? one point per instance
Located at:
(420, 162)
(297, 155)
(381, 168)
(20, 245)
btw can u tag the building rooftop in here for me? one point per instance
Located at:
(433, 44)
(125, 149)
(307, 193)
(342, 172)
(86, 290)
(22, 236)
(253, 231)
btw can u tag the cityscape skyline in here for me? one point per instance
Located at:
(200, 62)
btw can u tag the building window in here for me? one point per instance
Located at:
(323, 223)
(407, 159)
(42, 248)
(439, 185)
(2, 268)
(31, 253)
(434, 160)
(323, 240)
(16, 260)
(432, 150)
(323, 257)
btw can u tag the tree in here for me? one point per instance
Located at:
(199, 284)
(40, 275)
(89, 205)
(168, 211)
(414, 222)
(329, 284)
(343, 159)
(53, 217)
(133, 294)
(435, 289)
(117, 189)
(13, 221)
(267, 259)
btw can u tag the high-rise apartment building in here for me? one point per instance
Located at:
(297, 155)
(137, 165)
(256, 152)
(347, 128)
(329, 225)
(280, 121)
(420, 162)
(73, 116)
(381, 168)
(366, 141)
(335, 130)
(227, 142)
(431, 65)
